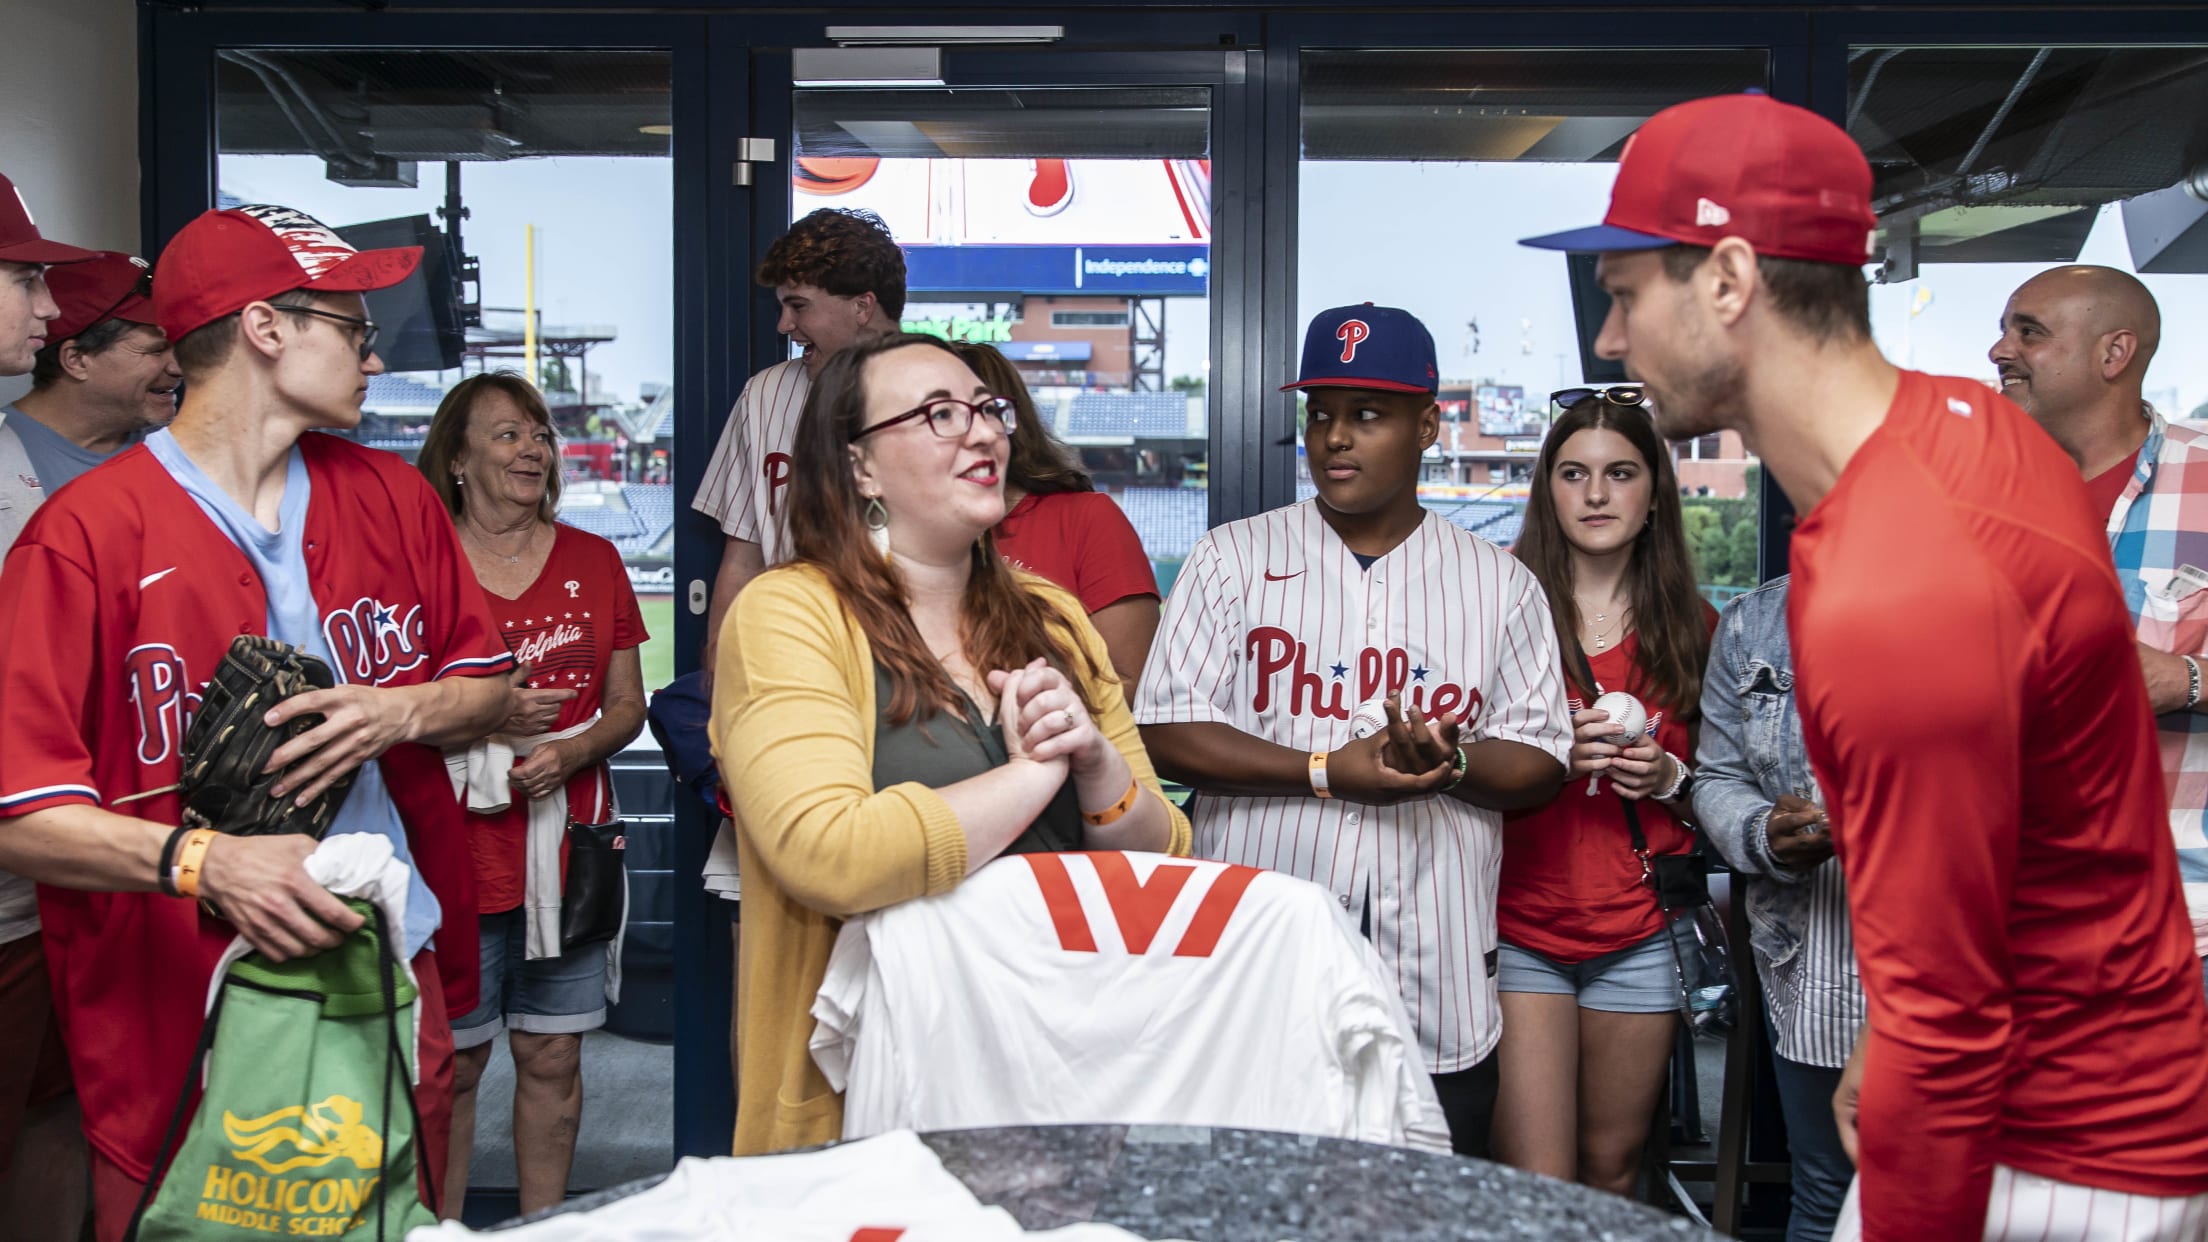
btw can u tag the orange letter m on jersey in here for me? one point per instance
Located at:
(1138, 906)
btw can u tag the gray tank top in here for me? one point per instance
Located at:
(946, 749)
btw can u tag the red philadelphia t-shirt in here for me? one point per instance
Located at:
(565, 627)
(1971, 700)
(1082, 542)
(1571, 886)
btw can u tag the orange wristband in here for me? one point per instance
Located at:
(1318, 775)
(190, 857)
(1114, 811)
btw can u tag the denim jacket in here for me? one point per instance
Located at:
(1750, 754)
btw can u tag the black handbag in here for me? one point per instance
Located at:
(594, 898)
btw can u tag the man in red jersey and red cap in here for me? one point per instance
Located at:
(2036, 1063)
(41, 1151)
(105, 376)
(120, 597)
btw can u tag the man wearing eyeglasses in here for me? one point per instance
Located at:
(41, 1146)
(119, 599)
(105, 376)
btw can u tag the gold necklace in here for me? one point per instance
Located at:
(1602, 636)
(479, 539)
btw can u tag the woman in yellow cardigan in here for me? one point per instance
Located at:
(897, 707)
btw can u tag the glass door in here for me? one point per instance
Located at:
(1420, 170)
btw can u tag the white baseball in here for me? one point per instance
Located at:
(1368, 719)
(1626, 713)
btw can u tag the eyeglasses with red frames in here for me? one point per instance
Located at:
(951, 418)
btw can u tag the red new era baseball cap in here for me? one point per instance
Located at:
(1787, 181)
(225, 259)
(19, 239)
(109, 285)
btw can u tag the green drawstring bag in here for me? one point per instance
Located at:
(306, 1061)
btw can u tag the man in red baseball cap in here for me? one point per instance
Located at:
(105, 377)
(2036, 1062)
(120, 597)
(25, 304)
(41, 1149)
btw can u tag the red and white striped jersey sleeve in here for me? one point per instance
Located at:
(1197, 655)
(743, 485)
(1525, 690)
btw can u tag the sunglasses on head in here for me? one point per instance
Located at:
(1630, 395)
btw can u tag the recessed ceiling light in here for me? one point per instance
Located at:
(657, 131)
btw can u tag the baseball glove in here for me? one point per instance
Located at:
(223, 786)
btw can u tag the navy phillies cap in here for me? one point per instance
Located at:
(1367, 346)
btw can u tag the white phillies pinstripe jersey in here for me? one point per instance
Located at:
(750, 471)
(1275, 629)
(1120, 988)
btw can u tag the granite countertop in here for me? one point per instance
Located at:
(1216, 1185)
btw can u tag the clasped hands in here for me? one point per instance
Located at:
(1413, 757)
(1043, 720)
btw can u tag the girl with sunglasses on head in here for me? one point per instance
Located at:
(1058, 525)
(896, 706)
(1590, 985)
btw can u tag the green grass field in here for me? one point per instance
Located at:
(659, 653)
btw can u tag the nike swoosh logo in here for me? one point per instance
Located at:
(152, 578)
(1270, 576)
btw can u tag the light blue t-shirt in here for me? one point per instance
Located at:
(279, 556)
(56, 459)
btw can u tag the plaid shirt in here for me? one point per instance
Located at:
(2159, 525)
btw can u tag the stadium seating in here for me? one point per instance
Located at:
(1121, 415)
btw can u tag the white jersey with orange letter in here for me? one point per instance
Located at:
(750, 471)
(1120, 988)
(1275, 629)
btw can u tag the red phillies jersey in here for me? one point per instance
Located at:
(565, 627)
(117, 601)
(1971, 699)
(1571, 887)
(1082, 542)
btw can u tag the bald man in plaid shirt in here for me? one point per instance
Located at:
(2074, 348)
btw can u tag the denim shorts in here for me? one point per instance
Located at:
(562, 995)
(1640, 978)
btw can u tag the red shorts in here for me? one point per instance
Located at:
(34, 1065)
(115, 1193)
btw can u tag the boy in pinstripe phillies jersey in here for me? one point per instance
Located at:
(1357, 689)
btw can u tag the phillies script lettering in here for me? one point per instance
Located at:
(1139, 907)
(776, 470)
(1379, 673)
(161, 697)
(533, 650)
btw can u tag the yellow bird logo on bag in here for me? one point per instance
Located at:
(317, 1133)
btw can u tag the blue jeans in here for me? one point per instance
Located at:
(1822, 1169)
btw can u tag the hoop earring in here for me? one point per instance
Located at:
(877, 525)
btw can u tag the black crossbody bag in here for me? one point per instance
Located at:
(1680, 881)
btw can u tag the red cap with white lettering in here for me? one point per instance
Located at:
(1784, 179)
(223, 260)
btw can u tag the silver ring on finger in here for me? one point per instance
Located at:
(1066, 715)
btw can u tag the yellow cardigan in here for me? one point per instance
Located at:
(793, 731)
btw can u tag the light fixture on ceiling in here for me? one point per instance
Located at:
(656, 131)
(866, 66)
(918, 36)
